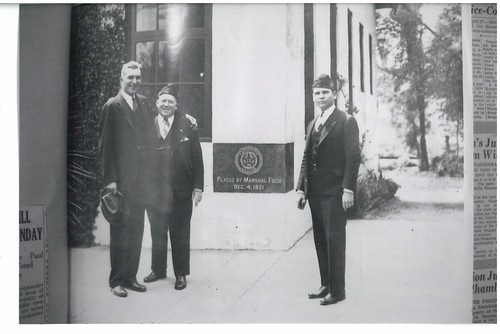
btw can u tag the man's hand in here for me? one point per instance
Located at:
(194, 124)
(112, 187)
(197, 196)
(301, 200)
(347, 200)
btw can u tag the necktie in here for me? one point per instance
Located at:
(319, 123)
(166, 127)
(134, 103)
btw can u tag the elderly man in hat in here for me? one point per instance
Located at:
(176, 182)
(123, 155)
(328, 180)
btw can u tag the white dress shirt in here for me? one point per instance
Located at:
(320, 121)
(129, 99)
(163, 126)
(164, 129)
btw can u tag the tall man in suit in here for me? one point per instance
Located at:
(327, 180)
(122, 153)
(176, 182)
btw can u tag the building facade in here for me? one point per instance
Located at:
(245, 72)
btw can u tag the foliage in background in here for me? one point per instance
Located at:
(372, 190)
(410, 69)
(422, 74)
(448, 164)
(350, 108)
(446, 59)
(97, 53)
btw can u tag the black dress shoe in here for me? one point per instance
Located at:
(153, 277)
(135, 286)
(330, 299)
(119, 291)
(322, 292)
(180, 282)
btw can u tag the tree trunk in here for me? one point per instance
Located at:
(424, 159)
(415, 135)
(412, 140)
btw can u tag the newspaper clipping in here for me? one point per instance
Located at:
(32, 266)
(484, 59)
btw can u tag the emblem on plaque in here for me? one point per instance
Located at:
(248, 160)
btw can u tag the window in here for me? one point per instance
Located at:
(308, 61)
(361, 58)
(333, 43)
(370, 58)
(349, 40)
(173, 43)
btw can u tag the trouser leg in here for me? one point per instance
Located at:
(335, 227)
(133, 236)
(320, 241)
(117, 252)
(180, 230)
(159, 237)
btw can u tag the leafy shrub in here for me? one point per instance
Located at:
(372, 191)
(97, 53)
(448, 164)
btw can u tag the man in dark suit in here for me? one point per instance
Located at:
(327, 180)
(122, 153)
(176, 176)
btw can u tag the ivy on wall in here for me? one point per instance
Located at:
(97, 53)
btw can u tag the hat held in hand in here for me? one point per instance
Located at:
(114, 207)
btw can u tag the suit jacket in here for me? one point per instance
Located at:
(122, 142)
(337, 157)
(176, 164)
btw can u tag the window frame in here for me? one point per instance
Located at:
(350, 64)
(370, 58)
(361, 58)
(308, 62)
(205, 33)
(333, 44)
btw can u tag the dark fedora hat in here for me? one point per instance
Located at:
(114, 207)
(170, 89)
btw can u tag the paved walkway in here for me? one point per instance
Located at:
(413, 266)
(396, 272)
